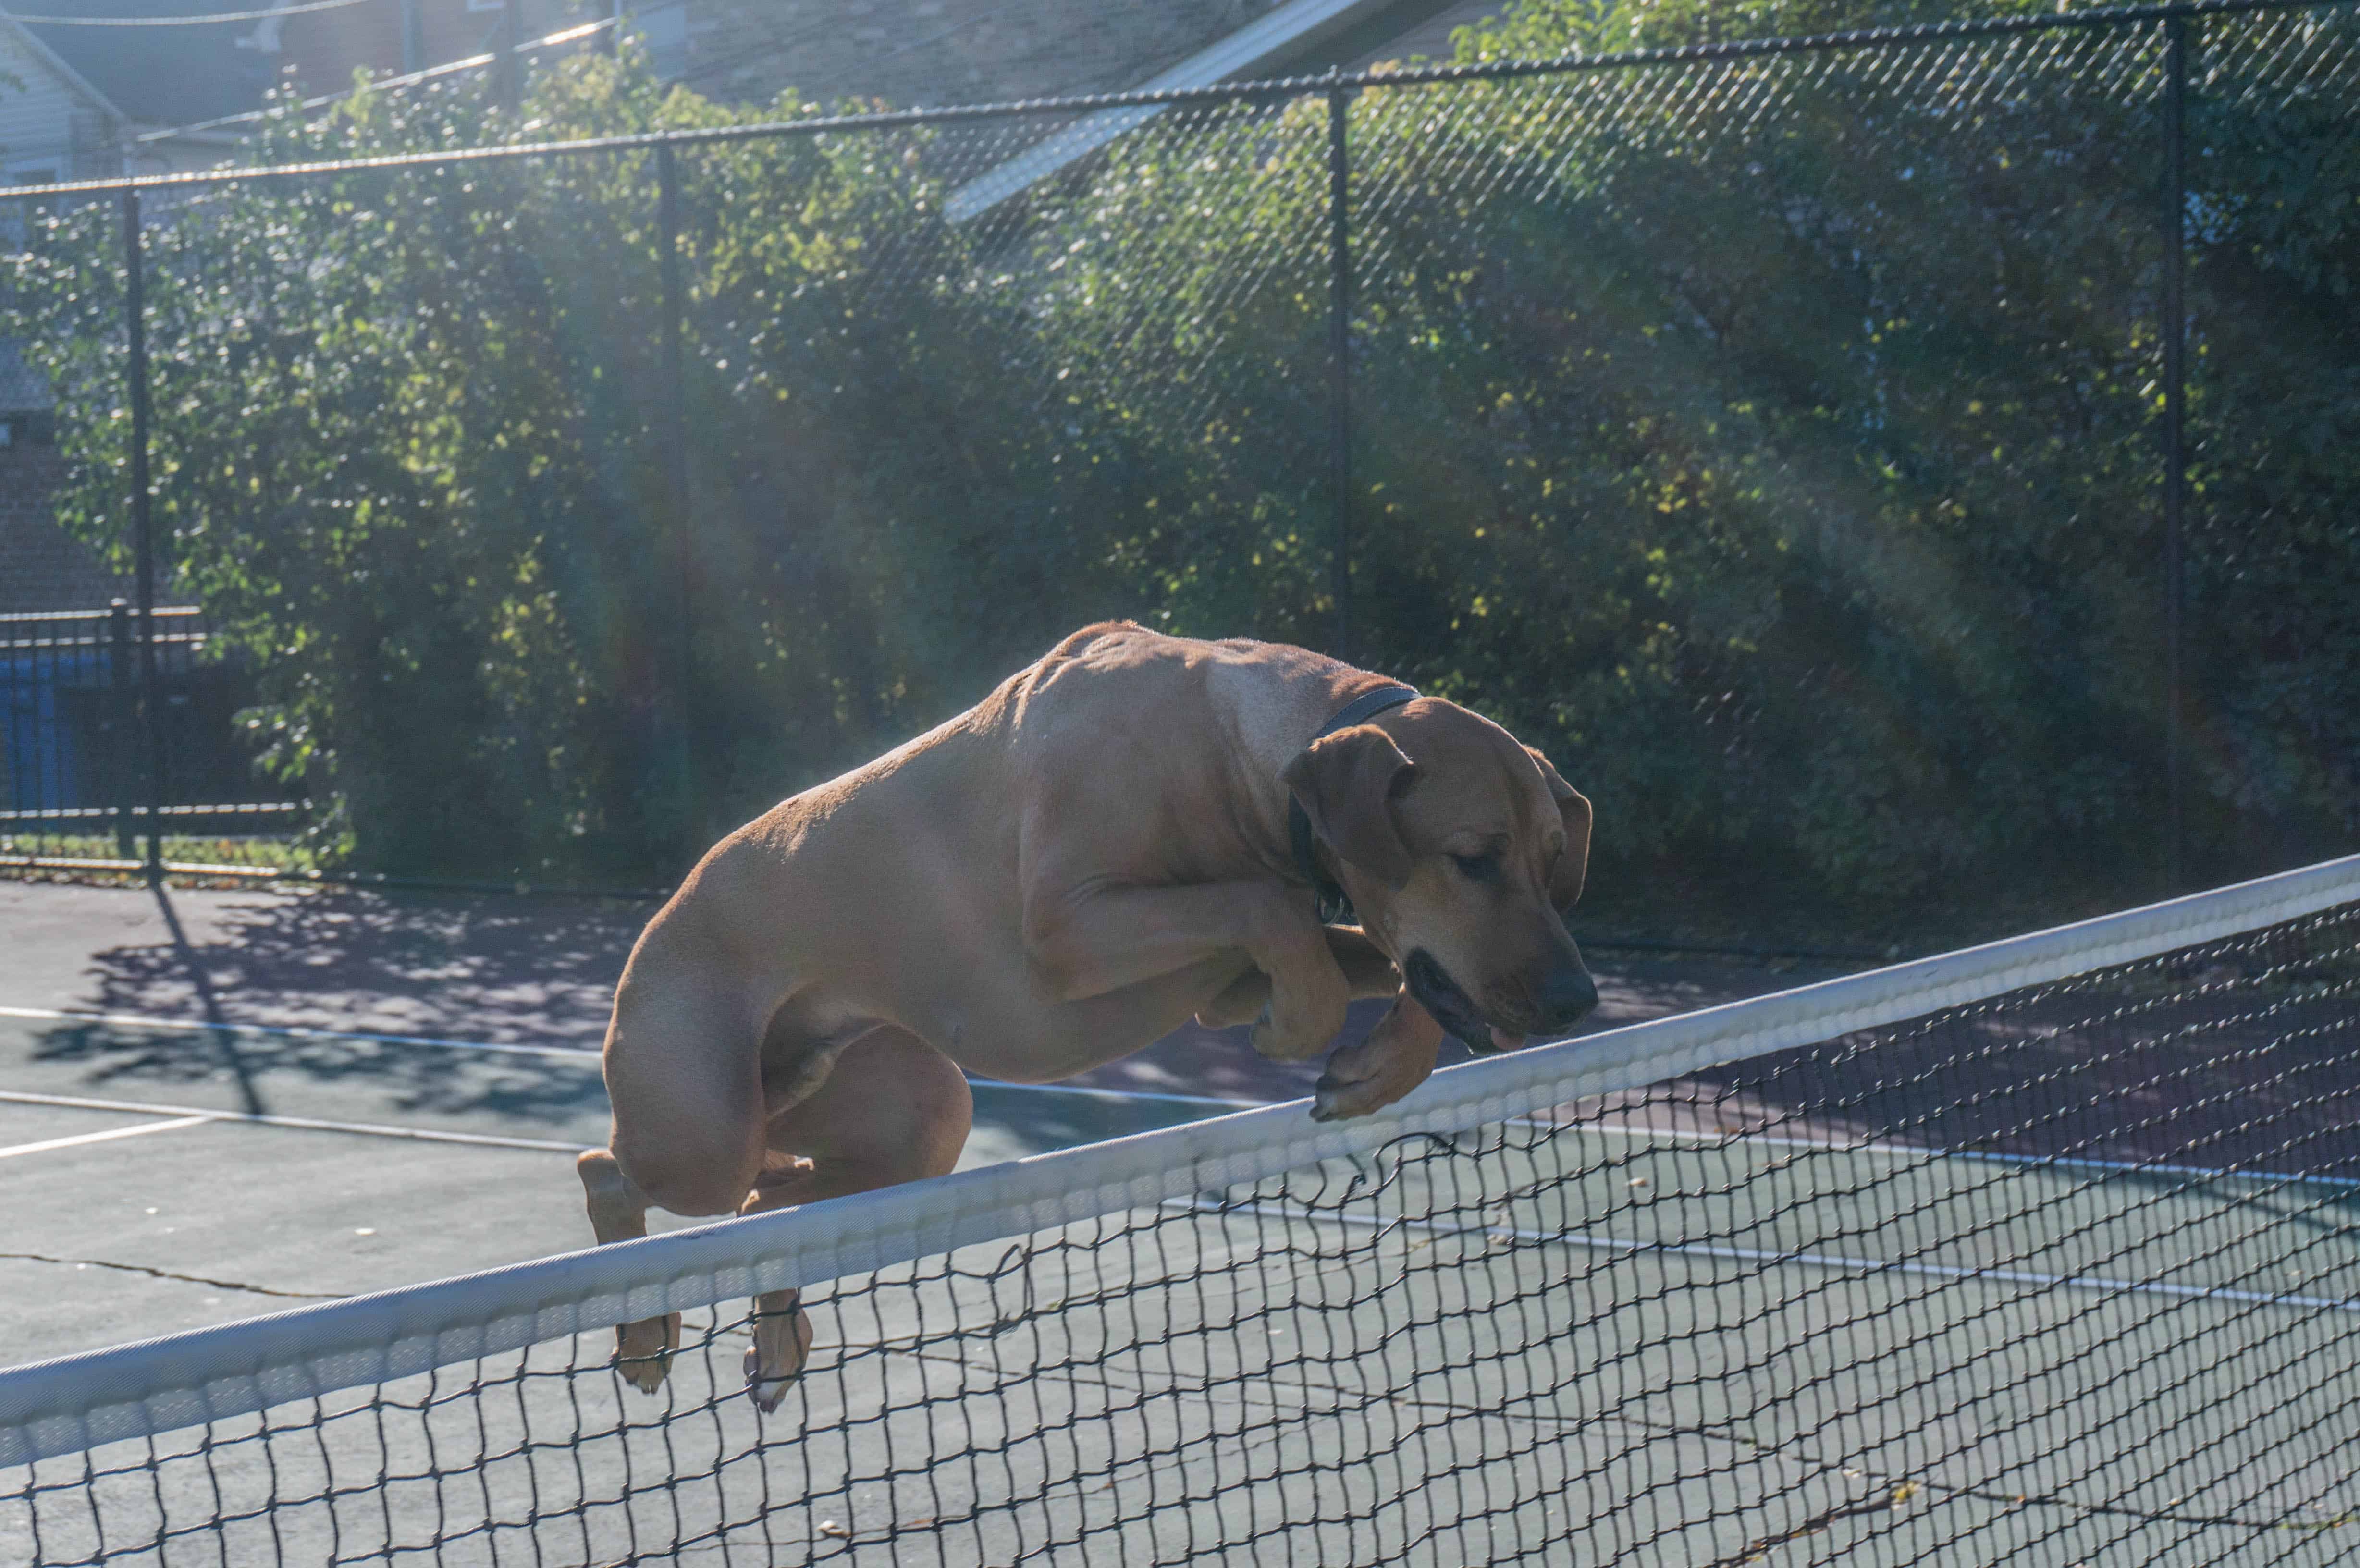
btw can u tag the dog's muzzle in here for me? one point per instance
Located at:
(1452, 1007)
(1568, 998)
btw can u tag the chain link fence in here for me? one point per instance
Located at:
(1870, 461)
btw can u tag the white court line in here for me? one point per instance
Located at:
(1086, 1092)
(287, 1031)
(100, 1137)
(582, 1053)
(301, 1124)
(1759, 1255)
(1903, 1150)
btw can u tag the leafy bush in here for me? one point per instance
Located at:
(406, 442)
(1776, 442)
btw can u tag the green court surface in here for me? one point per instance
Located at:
(353, 1165)
(1609, 1343)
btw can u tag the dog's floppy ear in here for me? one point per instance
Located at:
(1573, 866)
(1347, 782)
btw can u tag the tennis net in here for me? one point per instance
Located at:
(2040, 1250)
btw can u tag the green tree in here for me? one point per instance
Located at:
(1774, 439)
(1777, 439)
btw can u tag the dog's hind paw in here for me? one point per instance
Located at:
(783, 1342)
(643, 1351)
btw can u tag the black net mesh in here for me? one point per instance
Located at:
(2064, 1275)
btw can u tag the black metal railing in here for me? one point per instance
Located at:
(116, 729)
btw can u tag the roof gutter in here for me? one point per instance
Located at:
(1291, 30)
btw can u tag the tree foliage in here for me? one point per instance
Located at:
(1775, 441)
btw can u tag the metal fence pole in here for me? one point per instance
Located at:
(673, 419)
(1339, 370)
(151, 710)
(2174, 459)
(122, 727)
(508, 67)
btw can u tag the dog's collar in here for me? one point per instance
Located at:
(1335, 904)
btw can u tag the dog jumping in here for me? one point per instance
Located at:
(1136, 829)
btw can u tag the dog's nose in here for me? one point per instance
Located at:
(1568, 998)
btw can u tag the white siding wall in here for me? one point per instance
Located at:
(39, 116)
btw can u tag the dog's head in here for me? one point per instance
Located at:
(1461, 850)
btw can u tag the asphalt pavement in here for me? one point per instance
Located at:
(215, 1104)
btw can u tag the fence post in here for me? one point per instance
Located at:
(508, 67)
(122, 727)
(151, 710)
(1340, 368)
(674, 424)
(2175, 460)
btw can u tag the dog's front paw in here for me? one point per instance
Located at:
(643, 1350)
(1397, 1057)
(783, 1342)
(1336, 1099)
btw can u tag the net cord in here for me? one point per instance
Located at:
(76, 1402)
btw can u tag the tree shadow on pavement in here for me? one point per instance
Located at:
(400, 1080)
(478, 969)
(505, 969)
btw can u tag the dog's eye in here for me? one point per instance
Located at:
(1482, 867)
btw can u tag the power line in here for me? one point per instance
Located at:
(179, 21)
(557, 40)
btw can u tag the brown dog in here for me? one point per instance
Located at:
(1136, 829)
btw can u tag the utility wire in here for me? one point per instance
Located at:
(563, 35)
(557, 40)
(179, 21)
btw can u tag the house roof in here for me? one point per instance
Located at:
(157, 76)
(1298, 36)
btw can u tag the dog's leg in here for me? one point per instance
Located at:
(1367, 972)
(684, 1076)
(1397, 1057)
(1088, 939)
(782, 1330)
(618, 1211)
(892, 1109)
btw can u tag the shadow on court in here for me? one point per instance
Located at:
(379, 1079)
(458, 967)
(2255, 1076)
(501, 969)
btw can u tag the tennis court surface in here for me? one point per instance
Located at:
(2043, 1251)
